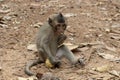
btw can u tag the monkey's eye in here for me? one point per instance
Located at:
(58, 25)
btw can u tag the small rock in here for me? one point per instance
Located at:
(107, 30)
(15, 27)
(71, 39)
(32, 47)
(17, 22)
(0, 68)
(7, 18)
(68, 26)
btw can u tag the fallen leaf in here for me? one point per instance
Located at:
(106, 56)
(114, 72)
(103, 45)
(83, 49)
(30, 78)
(109, 57)
(71, 46)
(32, 47)
(103, 68)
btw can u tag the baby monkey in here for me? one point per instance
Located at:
(49, 43)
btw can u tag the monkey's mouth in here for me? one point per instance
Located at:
(62, 33)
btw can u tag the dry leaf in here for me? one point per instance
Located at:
(115, 37)
(109, 57)
(32, 47)
(83, 49)
(30, 78)
(106, 56)
(103, 68)
(71, 46)
(107, 47)
(89, 44)
(114, 72)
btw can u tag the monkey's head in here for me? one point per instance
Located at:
(58, 22)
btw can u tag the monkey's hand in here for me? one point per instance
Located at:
(56, 63)
(61, 39)
(52, 64)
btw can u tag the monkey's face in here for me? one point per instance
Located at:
(58, 22)
(60, 28)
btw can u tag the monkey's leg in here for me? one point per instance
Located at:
(42, 56)
(63, 51)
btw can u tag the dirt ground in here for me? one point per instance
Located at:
(91, 21)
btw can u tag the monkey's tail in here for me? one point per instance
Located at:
(29, 65)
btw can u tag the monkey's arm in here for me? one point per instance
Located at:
(61, 39)
(50, 51)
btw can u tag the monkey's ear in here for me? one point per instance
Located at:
(50, 20)
(60, 14)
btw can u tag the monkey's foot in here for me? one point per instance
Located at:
(80, 62)
(57, 65)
